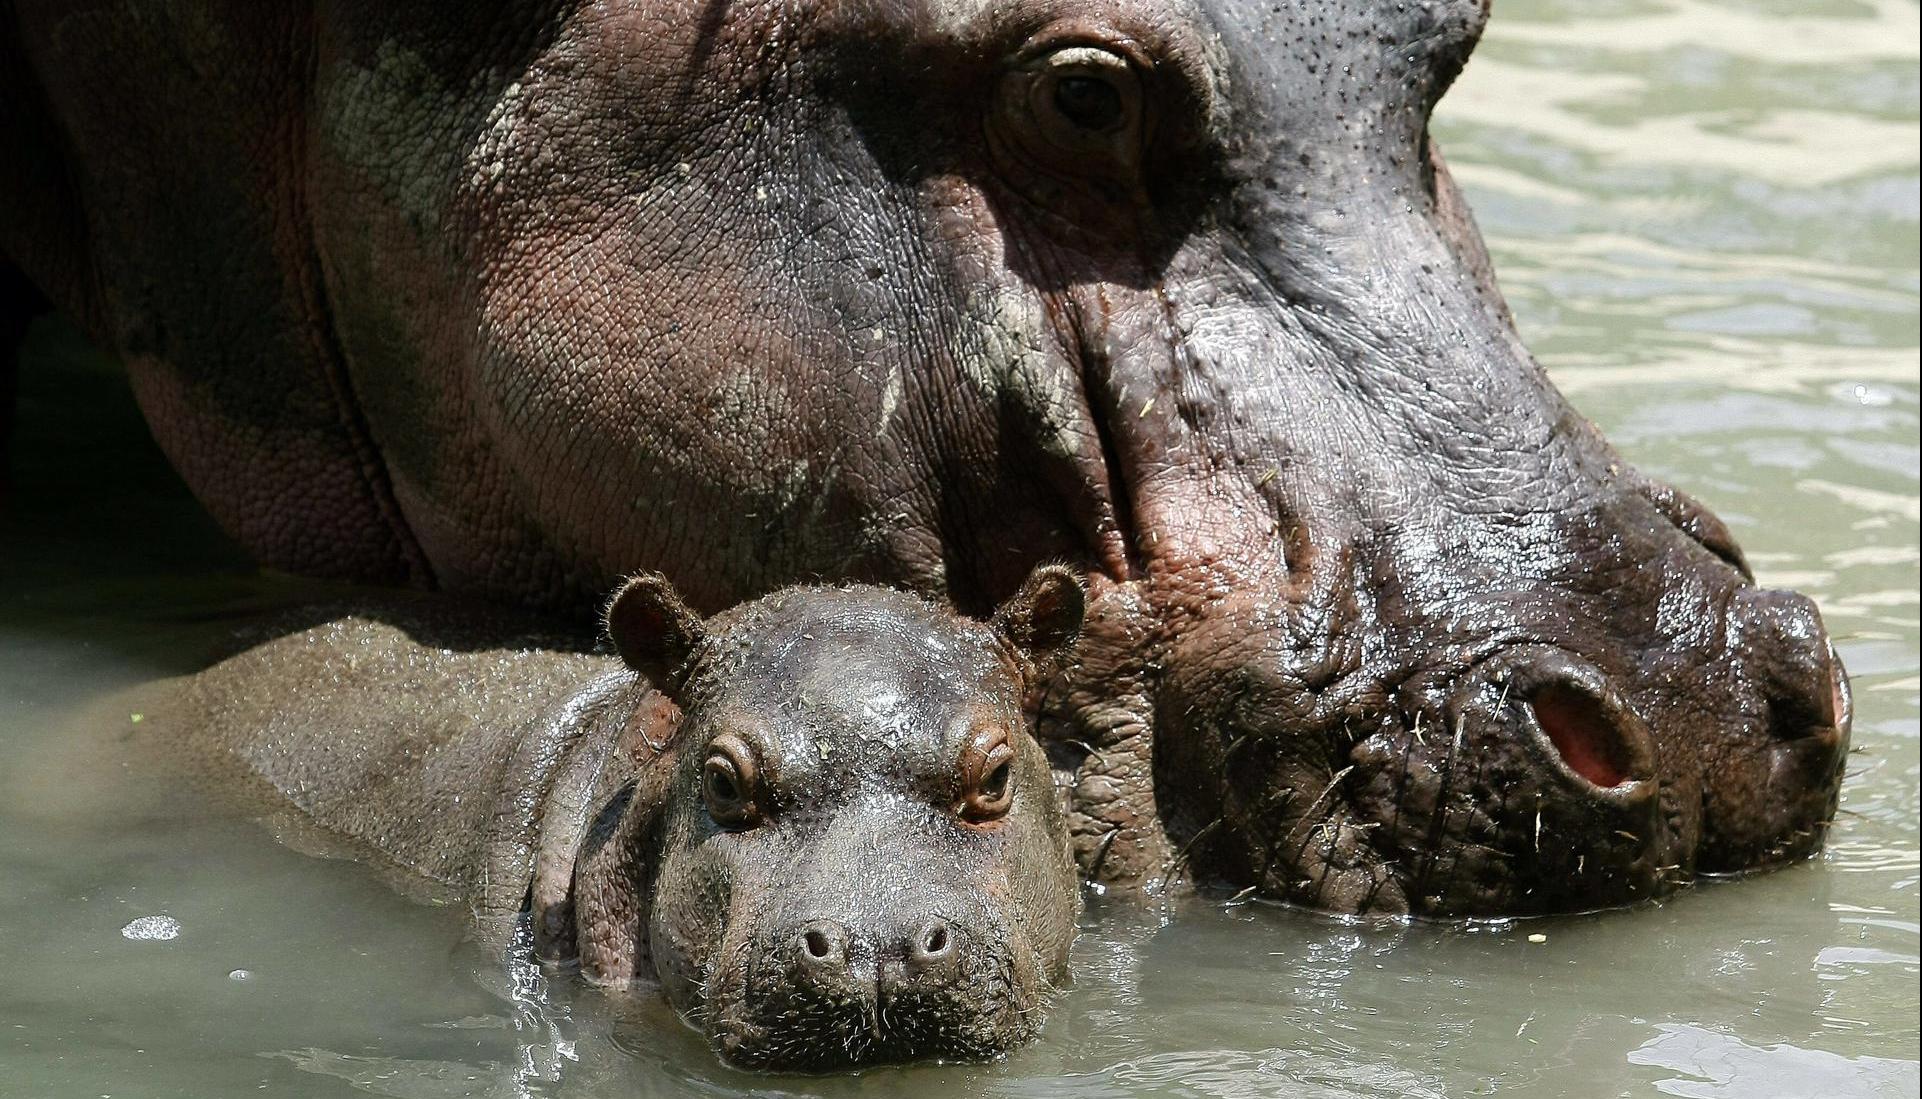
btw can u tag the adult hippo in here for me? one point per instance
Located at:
(517, 297)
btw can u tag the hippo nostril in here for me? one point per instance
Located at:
(1584, 734)
(824, 945)
(931, 949)
(1577, 724)
(1793, 662)
(934, 939)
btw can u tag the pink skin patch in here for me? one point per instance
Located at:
(1584, 735)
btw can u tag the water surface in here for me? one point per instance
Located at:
(1705, 216)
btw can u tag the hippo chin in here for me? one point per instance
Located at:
(521, 298)
(820, 821)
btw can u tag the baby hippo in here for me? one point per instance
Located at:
(847, 848)
(818, 820)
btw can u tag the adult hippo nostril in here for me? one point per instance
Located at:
(1578, 725)
(1585, 736)
(1536, 790)
(1793, 664)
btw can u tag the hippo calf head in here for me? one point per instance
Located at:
(848, 847)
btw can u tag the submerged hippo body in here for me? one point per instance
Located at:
(820, 822)
(514, 299)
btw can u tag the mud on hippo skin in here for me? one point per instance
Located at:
(754, 293)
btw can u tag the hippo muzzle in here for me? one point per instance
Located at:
(882, 959)
(1415, 734)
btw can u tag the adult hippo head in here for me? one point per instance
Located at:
(926, 292)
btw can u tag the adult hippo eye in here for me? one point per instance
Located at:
(1074, 112)
(1089, 102)
(987, 776)
(728, 783)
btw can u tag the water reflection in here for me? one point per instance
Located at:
(1725, 1066)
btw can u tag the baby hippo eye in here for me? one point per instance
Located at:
(728, 782)
(987, 776)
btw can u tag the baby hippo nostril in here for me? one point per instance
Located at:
(823, 946)
(932, 947)
(936, 941)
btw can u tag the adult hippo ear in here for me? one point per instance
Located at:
(656, 633)
(1042, 620)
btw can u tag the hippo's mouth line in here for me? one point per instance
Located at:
(721, 1011)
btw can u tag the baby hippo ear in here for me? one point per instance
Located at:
(655, 633)
(1044, 617)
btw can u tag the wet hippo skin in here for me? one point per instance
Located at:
(516, 299)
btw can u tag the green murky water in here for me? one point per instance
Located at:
(1705, 214)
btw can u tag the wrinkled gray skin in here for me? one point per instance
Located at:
(848, 896)
(517, 297)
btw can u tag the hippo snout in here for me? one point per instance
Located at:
(876, 989)
(1553, 782)
(1514, 756)
(824, 955)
